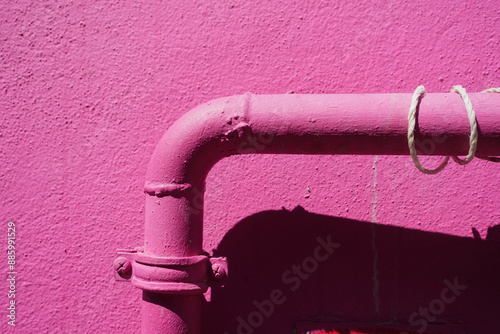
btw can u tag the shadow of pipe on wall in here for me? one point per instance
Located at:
(291, 267)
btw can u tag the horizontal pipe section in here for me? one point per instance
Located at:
(320, 124)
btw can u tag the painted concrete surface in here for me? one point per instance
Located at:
(88, 89)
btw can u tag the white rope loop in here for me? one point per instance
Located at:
(473, 126)
(412, 116)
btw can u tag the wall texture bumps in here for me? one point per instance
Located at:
(87, 89)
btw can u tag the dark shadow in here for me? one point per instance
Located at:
(282, 277)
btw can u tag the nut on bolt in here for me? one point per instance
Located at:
(218, 271)
(122, 266)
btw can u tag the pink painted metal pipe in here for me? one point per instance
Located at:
(171, 271)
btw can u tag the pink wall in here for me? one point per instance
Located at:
(87, 90)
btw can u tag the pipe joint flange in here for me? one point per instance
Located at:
(171, 275)
(168, 275)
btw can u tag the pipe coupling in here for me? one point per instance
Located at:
(168, 275)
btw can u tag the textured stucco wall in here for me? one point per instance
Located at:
(88, 88)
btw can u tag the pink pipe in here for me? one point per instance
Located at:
(277, 124)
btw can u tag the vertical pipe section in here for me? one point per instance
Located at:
(174, 207)
(172, 313)
(169, 314)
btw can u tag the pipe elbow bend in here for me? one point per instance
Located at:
(196, 142)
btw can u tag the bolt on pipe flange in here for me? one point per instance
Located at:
(218, 272)
(122, 267)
